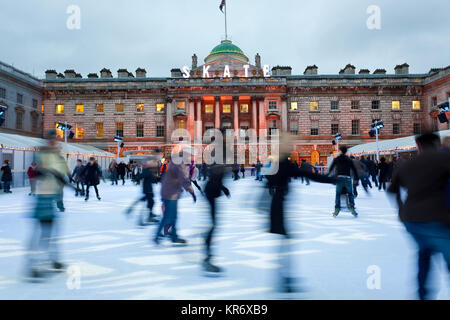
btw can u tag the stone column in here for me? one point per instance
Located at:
(190, 118)
(254, 114)
(284, 115)
(236, 115)
(217, 113)
(262, 114)
(199, 119)
(169, 120)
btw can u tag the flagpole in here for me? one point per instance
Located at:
(226, 30)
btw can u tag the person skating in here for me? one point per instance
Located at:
(344, 168)
(52, 169)
(193, 175)
(174, 180)
(258, 170)
(147, 188)
(235, 172)
(213, 189)
(92, 175)
(242, 169)
(383, 168)
(306, 166)
(425, 213)
(113, 172)
(361, 170)
(77, 176)
(32, 173)
(121, 171)
(6, 177)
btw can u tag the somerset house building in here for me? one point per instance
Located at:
(230, 91)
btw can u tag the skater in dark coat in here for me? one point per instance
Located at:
(121, 171)
(383, 168)
(92, 176)
(424, 212)
(279, 175)
(214, 188)
(6, 177)
(77, 176)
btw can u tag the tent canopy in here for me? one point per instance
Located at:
(19, 142)
(389, 146)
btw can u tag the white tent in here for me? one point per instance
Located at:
(20, 151)
(404, 144)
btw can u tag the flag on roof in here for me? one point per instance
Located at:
(222, 4)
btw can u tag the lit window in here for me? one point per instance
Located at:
(272, 105)
(79, 132)
(59, 108)
(209, 108)
(416, 105)
(160, 107)
(79, 108)
(119, 107)
(395, 105)
(227, 108)
(42, 108)
(99, 108)
(59, 132)
(181, 105)
(99, 129)
(139, 130)
(244, 108)
(314, 106)
(140, 107)
(119, 129)
(294, 105)
(181, 124)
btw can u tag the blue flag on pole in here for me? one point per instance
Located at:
(222, 4)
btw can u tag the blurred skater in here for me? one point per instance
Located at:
(6, 177)
(425, 213)
(77, 176)
(32, 173)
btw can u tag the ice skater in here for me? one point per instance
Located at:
(92, 175)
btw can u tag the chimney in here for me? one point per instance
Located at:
(60, 76)
(141, 73)
(122, 73)
(281, 71)
(50, 74)
(176, 73)
(105, 73)
(364, 71)
(69, 74)
(92, 76)
(402, 69)
(194, 61)
(258, 61)
(78, 75)
(349, 69)
(380, 71)
(310, 70)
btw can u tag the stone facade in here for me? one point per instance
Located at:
(308, 105)
(21, 98)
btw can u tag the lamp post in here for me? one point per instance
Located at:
(376, 126)
(337, 137)
(119, 141)
(65, 127)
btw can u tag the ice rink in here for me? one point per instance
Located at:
(333, 258)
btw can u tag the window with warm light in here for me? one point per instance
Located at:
(59, 108)
(244, 108)
(160, 107)
(209, 108)
(181, 105)
(416, 105)
(226, 108)
(139, 107)
(313, 106)
(42, 108)
(99, 129)
(99, 107)
(395, 105)
(119, 107)
(294, 105)
(181, 124)
(79, 132)
(79, 108)
(59, 132)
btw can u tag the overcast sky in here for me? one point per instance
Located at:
(162, 34)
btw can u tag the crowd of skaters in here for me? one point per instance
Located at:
(49, 175)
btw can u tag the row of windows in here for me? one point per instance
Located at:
(334, 105)
(19, 98)
(396, 128)
(20, 115)
(99, 131)
(99, 108)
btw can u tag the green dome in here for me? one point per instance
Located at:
(226, 48)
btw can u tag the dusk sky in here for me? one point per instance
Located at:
(161, 35)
